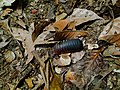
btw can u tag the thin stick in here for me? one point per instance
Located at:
(48, 75)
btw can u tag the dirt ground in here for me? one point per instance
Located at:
(60, 45)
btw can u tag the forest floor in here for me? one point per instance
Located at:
(60, 45)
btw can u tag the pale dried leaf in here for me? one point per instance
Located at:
(82, 15)
(111, 28)
(26, 39)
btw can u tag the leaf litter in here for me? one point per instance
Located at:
(27, 41)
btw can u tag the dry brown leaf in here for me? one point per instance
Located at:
(113, 39)
(39, 29)
(60, 25)
(69, 34)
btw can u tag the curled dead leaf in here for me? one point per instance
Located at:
(69, 34)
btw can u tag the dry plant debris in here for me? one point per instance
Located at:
(60, 45)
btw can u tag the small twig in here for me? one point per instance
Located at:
(48, 75)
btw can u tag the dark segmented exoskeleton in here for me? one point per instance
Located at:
(68, 46)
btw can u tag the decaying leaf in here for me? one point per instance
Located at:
(60, 25)
(113, 39)
(9, 56)
(56, 83)
(26, 39)
(63, 35)
(111, 28)
(29, 82)
(39, 29)
(80, 16)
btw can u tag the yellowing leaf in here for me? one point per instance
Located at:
(29, 82)
(60, 25)
(69, 34)
(56, 83)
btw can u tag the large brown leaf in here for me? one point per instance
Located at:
(114, 39)
(69, 34)
(60, 25)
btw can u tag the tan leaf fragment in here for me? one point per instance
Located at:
(29, 82)
(69, 34)
(60, 25)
